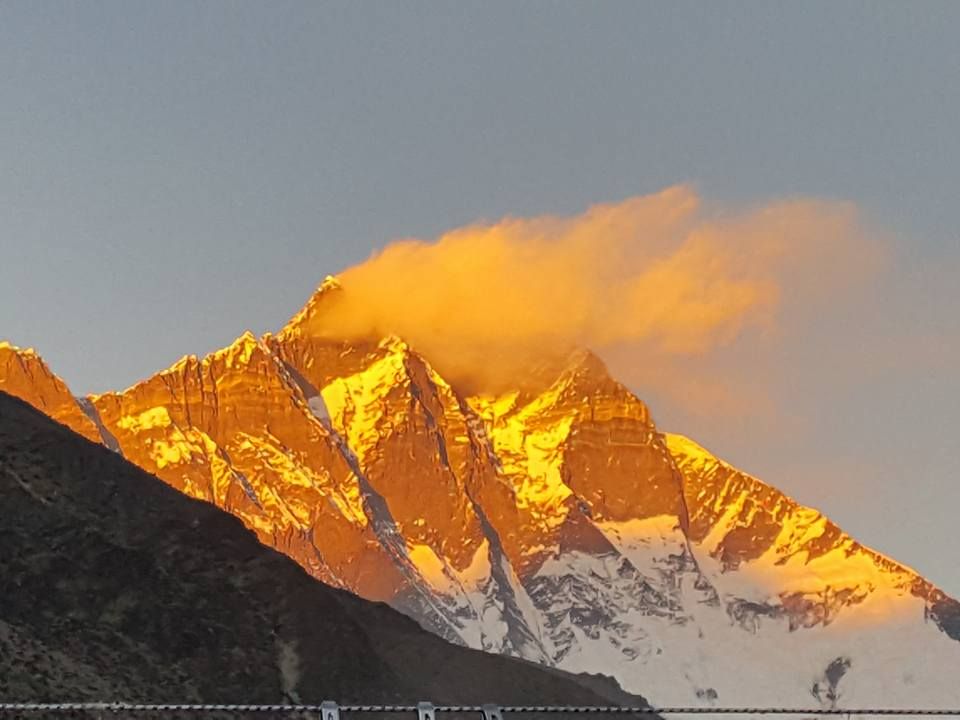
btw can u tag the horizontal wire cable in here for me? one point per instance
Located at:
(115, 707)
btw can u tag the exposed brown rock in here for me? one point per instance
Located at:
(25, 375)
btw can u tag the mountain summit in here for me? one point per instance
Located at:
(558, 525)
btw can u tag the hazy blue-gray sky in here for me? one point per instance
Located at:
(174, 173)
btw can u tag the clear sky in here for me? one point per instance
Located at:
(174, 173)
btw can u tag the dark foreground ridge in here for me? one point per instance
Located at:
(114, 586)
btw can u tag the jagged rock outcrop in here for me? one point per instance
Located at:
(25, 375)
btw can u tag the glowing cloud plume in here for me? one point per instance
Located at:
(643, 282)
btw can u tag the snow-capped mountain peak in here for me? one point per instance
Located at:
(553, 521)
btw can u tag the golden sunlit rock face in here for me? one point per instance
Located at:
(234, 429)
(25, 375)
(553, 521)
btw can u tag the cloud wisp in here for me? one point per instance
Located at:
(649, 283)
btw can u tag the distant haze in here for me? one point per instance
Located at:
(750, 209)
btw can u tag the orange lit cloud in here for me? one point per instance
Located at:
(646, 283)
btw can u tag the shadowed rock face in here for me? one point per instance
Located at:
(556, 522)
(117, 586)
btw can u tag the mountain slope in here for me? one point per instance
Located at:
(24, 374)
(116, 586)
(554, 522)
(742, 527)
